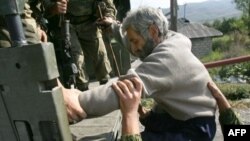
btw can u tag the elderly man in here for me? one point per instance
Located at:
(170, 74)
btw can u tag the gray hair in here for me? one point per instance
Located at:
(140, 20)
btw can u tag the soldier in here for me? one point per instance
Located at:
(33, 32)
(33, 22)
(58, 32)
(86, 38)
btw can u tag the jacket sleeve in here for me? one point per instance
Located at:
(134, 137)
(229, 117)
(100, 100)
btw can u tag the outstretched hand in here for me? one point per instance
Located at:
(75, 112)
(221, 100)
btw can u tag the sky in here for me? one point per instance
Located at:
(159, 3)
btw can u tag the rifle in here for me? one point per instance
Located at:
(69, 69)
(101, 6)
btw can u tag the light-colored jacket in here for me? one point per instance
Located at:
(171, 75)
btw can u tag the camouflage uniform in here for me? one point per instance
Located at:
(87, 39)
(132, 137)
(29, 26)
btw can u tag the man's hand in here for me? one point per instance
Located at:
(105, 23)
(74, 110)
(42, 34)
(129, 92)
(60, 7)
(221, 100)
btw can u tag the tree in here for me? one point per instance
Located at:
(244, 6)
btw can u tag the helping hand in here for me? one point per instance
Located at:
(129, 92)
(75, 112)
(221, 100)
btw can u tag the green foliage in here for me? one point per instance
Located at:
(234, 43)
(238, 25)
(221, 44)
(226, 25)
(244, 6)
(231, 25)
(241, 70)
(235, 91)
(213, 56)
(148, 103)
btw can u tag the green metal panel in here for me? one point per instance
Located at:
(33, 106)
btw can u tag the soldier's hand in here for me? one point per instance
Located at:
(42, 35)
(221, 100)
(129, 92)
(74, 110)
(60, 7)
(105, 22)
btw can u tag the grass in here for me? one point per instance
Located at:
(235, 91)
(213, 56)
(147, 103)
(241, 104)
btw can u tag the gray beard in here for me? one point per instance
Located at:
(147, 49)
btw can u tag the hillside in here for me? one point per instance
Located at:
(208, 11)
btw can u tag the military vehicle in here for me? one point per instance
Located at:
(31, 103)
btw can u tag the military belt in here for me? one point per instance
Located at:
(78, 19)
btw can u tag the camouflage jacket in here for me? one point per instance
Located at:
(90, 8)
(229, 117)
(135, 137)
(85, 7)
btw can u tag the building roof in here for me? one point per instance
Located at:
(196, 30)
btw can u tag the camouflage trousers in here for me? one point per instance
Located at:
(30, 31)
(88, 45)
(31, 35)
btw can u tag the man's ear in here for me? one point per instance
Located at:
(153, 31)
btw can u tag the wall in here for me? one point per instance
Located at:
(201, 46)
